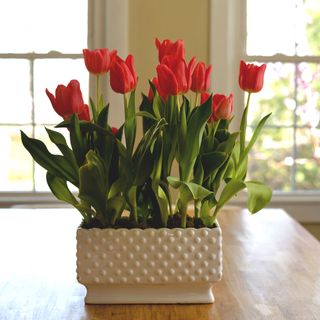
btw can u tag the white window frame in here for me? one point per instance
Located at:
(107, 27)
(227, 46)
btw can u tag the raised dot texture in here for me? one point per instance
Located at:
(192, 278)
(204, 233)
(129, 256)
(198, 255)
(103, 255)
(165, 263)
(103, 272)
(197, 240)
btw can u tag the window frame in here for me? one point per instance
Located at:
(107, 27)
(227, 46)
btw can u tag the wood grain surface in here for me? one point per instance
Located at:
(271, 271)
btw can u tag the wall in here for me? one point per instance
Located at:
(166, 19)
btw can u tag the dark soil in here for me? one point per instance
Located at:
(124, 222)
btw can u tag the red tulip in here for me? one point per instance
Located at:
(162, 94)
(123, 77)
(114, 130)
(174, 75)
(224, 107)
(169, 48)
(68, 100)
(221, 106)
(201, 78)
(251, 76)
(98, 61)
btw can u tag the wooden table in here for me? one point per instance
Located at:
(271, 271)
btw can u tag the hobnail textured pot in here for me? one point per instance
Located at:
(149, 266)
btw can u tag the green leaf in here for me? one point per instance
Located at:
(229, 190)
(102, 120)
(130, 124)
(195, 127)
(146, 114)
(196, 191)
(59, 140)
(205, 214)
(212, 161)
(55, 164)
(93, 110)
(78, 141)
(228, 145)
(60, 189)
(259, 195)
(146, 106)
(92, 184)
(115, 207)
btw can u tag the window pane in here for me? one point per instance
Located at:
(16, 98)
(308, 97)
(42, 26)
(287, 27)
(308, 159)
(309, 37)
(271, 159)
(16, 162)
(277, 96)
(49, 73)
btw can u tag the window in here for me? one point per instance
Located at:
(286, 37)
(41, 47)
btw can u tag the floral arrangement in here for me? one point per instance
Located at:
(123, 182)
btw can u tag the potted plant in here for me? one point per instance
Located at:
(136, 244)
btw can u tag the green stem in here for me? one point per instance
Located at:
(243, 125)
(197, 206)
(97, 92)
(125, 99)
(182, 207)
(215, 128)
(196, 99)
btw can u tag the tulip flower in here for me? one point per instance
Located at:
(123, 77)
(114, 130)
(201, 78)
(174, 75)
(162, 94)
(169, 48)
(222, 106)
(98, 61)
(251, 77)
(68, 100)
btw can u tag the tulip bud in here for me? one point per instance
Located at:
(224, 108)
(251, 77)
(98, 61)
(169, 48)
(123, 77)
(174, 76)
(68, 101)
(114, 130)
(201, 78)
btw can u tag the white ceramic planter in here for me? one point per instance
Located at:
(149, 266)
